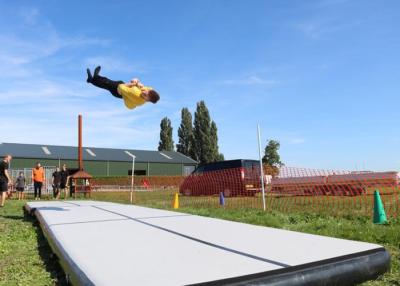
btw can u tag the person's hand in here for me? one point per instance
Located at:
(135, 81)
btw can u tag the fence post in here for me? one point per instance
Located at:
(261, 166)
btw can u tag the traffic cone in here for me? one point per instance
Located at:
(221, 199)
(379, 210)
(176, 201)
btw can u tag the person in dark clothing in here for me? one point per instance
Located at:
(64, 177)
(20, 185)
(5, 180)
(56, 183)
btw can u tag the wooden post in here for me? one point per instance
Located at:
(80, 161)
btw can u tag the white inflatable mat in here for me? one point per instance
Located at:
(101, 243)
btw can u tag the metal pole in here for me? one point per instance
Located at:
(261, 166)
(133, 171)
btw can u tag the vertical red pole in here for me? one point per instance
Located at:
(80, 162)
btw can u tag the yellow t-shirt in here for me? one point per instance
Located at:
(131, 95)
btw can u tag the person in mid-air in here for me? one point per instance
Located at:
(134, 93)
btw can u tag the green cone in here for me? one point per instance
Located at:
(379, 210)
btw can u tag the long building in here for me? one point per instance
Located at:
(100, 161)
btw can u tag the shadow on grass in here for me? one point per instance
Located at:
(50, 260)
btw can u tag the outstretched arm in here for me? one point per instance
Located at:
(134, 82)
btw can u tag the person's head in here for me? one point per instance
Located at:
(150, 95)
(7, 158)
(64, 167)
(57, 169)
(38, 165)
(21, 174)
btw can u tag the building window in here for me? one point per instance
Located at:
(137, 172)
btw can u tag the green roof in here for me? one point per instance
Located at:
(43, 151)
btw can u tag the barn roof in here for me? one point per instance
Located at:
(43, 151)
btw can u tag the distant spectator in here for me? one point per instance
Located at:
(56, 183)
(20, 185)
(38, 179)
(5, 180)
(64, 180)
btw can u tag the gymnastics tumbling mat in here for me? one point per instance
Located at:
(101, 243)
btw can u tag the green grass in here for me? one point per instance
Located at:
(25, 257)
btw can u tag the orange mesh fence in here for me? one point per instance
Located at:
(336, 192)
(286, 190)
(147, 182)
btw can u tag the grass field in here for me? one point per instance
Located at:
(25, 257)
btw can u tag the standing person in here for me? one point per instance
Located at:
(5, 180)
(20, 185)
(64, 174)
(56, 183)
(38, 179)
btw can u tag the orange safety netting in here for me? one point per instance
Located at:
(287, 189)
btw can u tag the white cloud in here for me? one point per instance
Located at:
(311, 30)
(321, 26)
(47, 113)
(115, 64)
(29, 15)
(296, 141)
(331, 2)
(41, 107)
(31, 40)
(250, 80)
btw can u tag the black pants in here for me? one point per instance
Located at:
(108, 84)
(56, 189)
(37, 187)
(3, 185)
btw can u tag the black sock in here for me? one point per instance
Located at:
(89, 76)
(97, 71)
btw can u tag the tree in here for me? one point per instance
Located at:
(271, 155)
(215, 155)
(202, 133)
(205, 136)
(166, 143)
(185, 134)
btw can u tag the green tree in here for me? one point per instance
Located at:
(202, 133)
(215, 155)
(271, 155)
(185, 134)
(166, 142)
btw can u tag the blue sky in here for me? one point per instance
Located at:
(322, 77)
